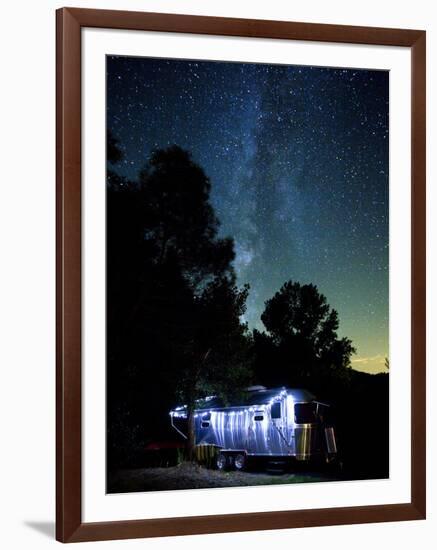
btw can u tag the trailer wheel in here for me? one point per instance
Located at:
(221, 461)
(240, 461)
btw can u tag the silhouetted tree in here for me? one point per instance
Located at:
(174, 311)
(180, 221)
(302, 338)
(215, 352)
(301, 347)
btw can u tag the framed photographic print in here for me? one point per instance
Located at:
(240, 274)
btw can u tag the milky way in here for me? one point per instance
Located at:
(298, 161)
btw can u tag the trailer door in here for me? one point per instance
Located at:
(258, 432)
(278, 436)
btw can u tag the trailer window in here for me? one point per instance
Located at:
(205, 424)
(259, 417)
(305, 413)
(276, 410)
(206, 416)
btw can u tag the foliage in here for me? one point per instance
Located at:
(174, 330)
(180, 224)
(302, 341)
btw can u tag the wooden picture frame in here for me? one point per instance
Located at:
(69, 524)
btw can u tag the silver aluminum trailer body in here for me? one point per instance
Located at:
(277, 423)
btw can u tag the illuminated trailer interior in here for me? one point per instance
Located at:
(284, 422)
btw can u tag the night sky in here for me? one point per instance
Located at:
(298, 161)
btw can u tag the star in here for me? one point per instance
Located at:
(297, 157)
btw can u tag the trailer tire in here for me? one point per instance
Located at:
(240, 461)
(222, 462)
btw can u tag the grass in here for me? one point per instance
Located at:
(194, 476)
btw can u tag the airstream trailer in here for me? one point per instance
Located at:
(283, 423)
